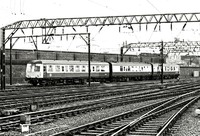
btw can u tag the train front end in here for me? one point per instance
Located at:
(34, 72)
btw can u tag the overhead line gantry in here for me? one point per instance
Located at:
(87, 22)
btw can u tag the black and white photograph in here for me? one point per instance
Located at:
(99, 68)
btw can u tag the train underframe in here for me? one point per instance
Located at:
(54, 81)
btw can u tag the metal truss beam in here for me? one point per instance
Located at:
(169, 47)
(106, 20)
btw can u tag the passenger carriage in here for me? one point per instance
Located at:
(131, 71)
(170, 71)
(46, 72)
(61, 71)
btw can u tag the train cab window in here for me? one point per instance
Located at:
(97, 68)
(45, 68)
(29, 68)
(77, 69)
(102, 68)
(62, 68)
(37, 68)
(50, 69)
(71, 68)
(66, 69)
(121, 68)
(57, 68)
(83, 69)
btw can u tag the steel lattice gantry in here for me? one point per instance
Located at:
(106, 20)
(168, 47)
(87, 22)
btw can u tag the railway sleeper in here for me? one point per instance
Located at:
(142, 133)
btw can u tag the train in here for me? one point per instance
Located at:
(51, 72)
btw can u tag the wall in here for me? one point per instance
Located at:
(188, 71)
(21, 57)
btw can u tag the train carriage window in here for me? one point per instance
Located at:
(77, 69)
(133, 68)
(71, 68)
(62, 68)
(57, 68)
(66, 68)
(83, 69)
(93, 68)
(97, 68)
(124, 69)
(129, 69)
(121, 68)
(44, 68)
(102, 68)
(50, 69)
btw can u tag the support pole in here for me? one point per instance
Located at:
(10, 61)
(89, 71)
(1, 70)
(121, 54)
(162, 61)
(3, 62)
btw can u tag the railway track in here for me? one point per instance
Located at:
(22, 101)
(16, 88)
(8, 122)
(155, 120)
(42, 100)
(158, 123)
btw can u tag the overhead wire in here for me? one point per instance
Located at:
(153, 6)
(158, 12)
(22, 12)
(103, 5)
(107, 7)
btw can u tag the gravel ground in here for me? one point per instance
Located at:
(66, 123)
(189, 123)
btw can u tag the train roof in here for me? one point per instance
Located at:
(65, 62)
(165, 64)
(130, 64)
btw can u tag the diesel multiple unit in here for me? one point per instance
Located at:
(45, 72)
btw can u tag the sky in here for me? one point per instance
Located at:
(109, 39)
